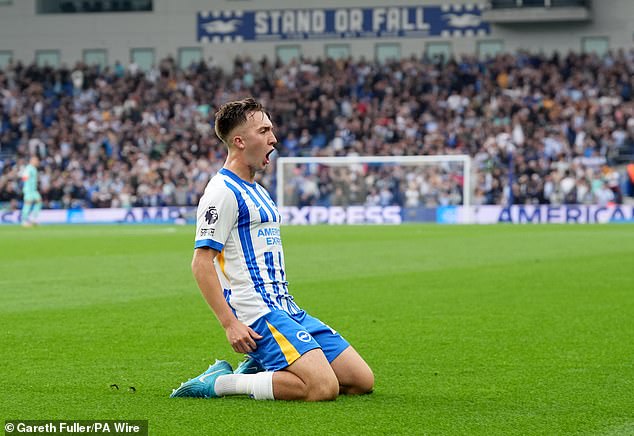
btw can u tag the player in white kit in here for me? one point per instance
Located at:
(238, 264)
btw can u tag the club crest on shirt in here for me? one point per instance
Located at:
(211, 216)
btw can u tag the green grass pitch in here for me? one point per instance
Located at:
(469, 329)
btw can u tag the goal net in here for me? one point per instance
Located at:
(371, 189)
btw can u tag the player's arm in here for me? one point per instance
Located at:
(240, 336)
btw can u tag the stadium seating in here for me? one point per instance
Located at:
(541, 129)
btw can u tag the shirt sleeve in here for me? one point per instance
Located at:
(217, 215)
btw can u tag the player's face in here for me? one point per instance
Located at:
(259, 141)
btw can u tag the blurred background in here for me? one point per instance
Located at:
(117, 100)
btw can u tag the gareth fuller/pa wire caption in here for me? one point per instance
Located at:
(104, 426)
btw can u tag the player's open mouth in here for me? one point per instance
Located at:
(267, 159)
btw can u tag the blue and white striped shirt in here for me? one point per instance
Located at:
(240, 221)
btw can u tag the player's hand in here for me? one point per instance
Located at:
(242, 337)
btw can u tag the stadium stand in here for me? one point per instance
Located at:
(541, 129)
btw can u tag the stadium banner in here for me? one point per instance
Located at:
(448, 21)
(309, 215)
(135, 215)
(543, 214)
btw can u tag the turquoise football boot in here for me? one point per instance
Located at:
(203, 385)
(248, 366)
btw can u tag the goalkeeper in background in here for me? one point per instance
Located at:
(32, 203)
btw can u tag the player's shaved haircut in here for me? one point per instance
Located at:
(232, 114)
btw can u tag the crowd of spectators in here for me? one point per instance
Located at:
(541, 129)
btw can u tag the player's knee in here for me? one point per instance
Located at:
(365, 383)
(329, 389)
(324, 389)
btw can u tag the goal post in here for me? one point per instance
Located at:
(319, 181)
